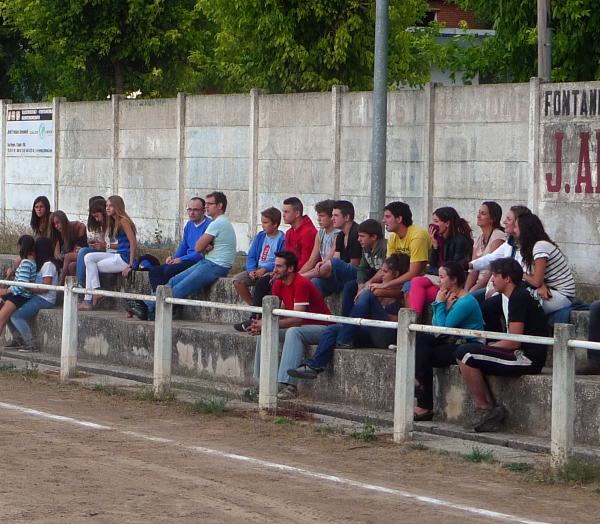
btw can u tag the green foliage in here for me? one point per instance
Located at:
(478, 455)
(580, 471)
(211, 405)
(106, 389)
(147, 393)
(419, 446)
(512, 54)
(366, 433)
(282, 421)
(518, 467)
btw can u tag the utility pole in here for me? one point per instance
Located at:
(378, 155)
(544, 40)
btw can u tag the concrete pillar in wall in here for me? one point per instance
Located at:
(336, 119)
(180, 164)
(253, 175)
(428, 151)
(534, 145)
(56, 151)
(114, 99)
(3, 105)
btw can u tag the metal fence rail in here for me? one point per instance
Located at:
(563, 370)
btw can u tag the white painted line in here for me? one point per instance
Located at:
(282, 467)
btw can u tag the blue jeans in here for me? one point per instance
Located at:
(341, 272)
(160, 275)
(193, 279)
(348, 294)
(367, 306)
(80, 271)
(295, 341)
(18, 320)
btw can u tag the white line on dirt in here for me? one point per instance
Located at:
(279, 467)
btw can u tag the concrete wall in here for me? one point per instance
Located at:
(446, 146)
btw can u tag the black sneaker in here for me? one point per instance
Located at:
(243, 326)
(138, 309)
(344, 345)
(490, 419)
(14, 344)
(29, 348)
(303, 371)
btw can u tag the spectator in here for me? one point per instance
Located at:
(324, 246)
(405, 238)
(97, 224)
(453, 307)
(451, 241)
(504, 357)
(68, 237)
(374, 248)
(299, 294)
(261, 255)
(47, 273)
(120, 250)
(368, 305)
(186, 255)
(216, 263)
(491, 238)
(331, 275)
(40, 218)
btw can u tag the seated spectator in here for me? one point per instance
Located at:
(451, 241)
(330, 275)
(592, 366)
(368, 305)
(186, 255)
(324, 246)
(504, 357)
(453, 307)
(97, 224)
(68, 237)
(299, 294)
(546, 269)
(216, 263)
(405, 238)
(492, 237)
(374, 248)
(47, 273)
(120, 250)
(261, 255)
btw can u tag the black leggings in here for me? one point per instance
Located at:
(261, 289)
(431, 352)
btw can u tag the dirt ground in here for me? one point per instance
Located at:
(58, 471)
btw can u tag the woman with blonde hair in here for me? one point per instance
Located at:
(120, 249)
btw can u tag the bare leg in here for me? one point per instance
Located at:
(5, 313)
(477, 386)
(243, 292)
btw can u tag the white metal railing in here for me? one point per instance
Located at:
(563, 370)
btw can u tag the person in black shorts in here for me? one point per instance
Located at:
(507, 358)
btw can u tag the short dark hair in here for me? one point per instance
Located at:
(371, 227)
(508, 267)
(273, 214)
(325, 206)
(456, 271)
(346, 207)
(26, 245)
(219, 197)
(398, 263)
(291, 260)
(201, 200)
(400, 209)
(296, 204)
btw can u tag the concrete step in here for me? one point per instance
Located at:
(362, 378)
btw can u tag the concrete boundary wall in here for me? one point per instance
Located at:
(535, 144)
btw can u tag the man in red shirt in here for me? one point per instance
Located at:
(300, 294)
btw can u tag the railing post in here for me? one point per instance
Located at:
(163, 340)
(269, 354)
(563, 395)
(68, 344)
(404, 388)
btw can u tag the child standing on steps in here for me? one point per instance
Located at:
(15, 296)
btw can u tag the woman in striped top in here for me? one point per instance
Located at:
(545, 266)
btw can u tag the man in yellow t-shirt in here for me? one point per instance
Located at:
(405, 238)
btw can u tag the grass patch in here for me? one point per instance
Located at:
(106, 389)
(31, 369)
(282, 420)
(146, 393)
(518, 467)
(366, 433)
(479, 455)
(210, 405)
(7, 367)
(580, 471)
(419, 446)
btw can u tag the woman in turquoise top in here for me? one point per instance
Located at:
(453, 307)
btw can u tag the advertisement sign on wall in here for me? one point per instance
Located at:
(29, 132)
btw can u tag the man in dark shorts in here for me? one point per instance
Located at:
(524, 316)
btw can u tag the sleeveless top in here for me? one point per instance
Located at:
(123, 246)
(326, 241)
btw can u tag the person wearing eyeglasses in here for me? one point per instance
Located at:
(186, 255)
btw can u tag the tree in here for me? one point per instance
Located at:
(88, 49)
(310, 45)
(512, 53)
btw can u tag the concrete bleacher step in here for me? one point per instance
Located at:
(359, 378)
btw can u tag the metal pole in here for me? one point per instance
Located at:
(269, 354)
(163, 340)
(544, 40)
(378, 156)
(404, 389)
(68, 343)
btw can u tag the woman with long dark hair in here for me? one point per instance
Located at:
(40, 218)
(451, 241)
(68, 237)
(47, 273)
(545, 267)
(97, 225)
